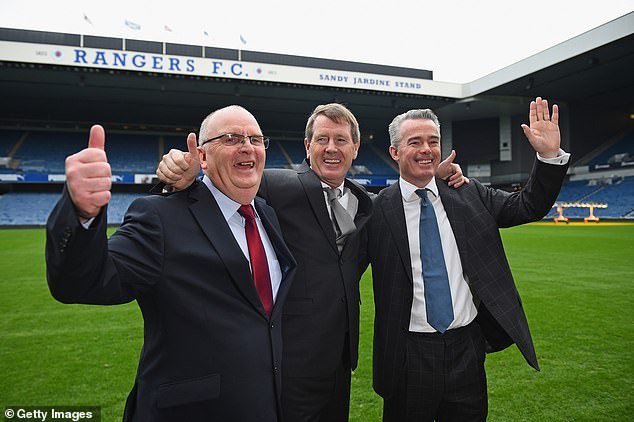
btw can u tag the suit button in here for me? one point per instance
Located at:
(276, 369)
(272, 325)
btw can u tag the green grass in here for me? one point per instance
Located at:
(576, 284)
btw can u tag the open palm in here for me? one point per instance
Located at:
(543, 133)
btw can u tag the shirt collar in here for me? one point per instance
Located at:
(340, 187)
(408, 191)
(227, 206)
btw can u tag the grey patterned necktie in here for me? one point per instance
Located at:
(341, 219)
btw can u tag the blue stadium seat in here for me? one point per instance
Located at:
(129, 153)
(619, 196)
(8, 139)
(624, 146)
(34, 208)
(46, 152)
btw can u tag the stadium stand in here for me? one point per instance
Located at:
(8, 139)
(132, 153)
(376, 161)
(45, 152)
(620, 154)
(28, 209)
(294, 150)
(276, 156)
(616, 192)
(173, 142)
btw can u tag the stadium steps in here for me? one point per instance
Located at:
(18, 144)
(381, 154)
(285, 153)
(603, 147)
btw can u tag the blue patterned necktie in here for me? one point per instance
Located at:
(435, 279)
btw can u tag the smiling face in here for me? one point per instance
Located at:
(418, 152)
(235, 170)
(331, 150)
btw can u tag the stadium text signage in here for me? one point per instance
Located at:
(196, 66)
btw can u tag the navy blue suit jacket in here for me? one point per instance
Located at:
(209, 352)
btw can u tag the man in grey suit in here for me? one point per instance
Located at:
(444, 301)
(212, 306)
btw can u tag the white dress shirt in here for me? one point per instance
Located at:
(236, 222)
(464, 309)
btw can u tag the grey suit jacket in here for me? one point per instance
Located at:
(476, 213)
(210, 352)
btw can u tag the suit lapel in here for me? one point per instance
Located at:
(315, 195)
(213, 224)
(453, 205)
(395, 217)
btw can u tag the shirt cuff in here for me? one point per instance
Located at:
(561, 159)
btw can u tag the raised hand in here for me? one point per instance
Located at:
(543, 133)
(89, 177)
(178, 169)
(448, 170)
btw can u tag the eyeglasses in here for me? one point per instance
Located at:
(233, 139)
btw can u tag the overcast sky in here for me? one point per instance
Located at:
(459, 40)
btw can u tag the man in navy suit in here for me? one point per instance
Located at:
(212, 339)
(441, 305)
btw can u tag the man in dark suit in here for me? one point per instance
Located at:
(209, 274)
(321, 314)
(441, 304)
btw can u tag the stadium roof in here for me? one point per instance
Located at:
(593, 69)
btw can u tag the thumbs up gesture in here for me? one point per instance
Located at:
(88, 176)
(451, 172)
(178, 169)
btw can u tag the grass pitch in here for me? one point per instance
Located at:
(576, 283)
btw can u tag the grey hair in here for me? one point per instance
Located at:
(203, 133)
(394, 129)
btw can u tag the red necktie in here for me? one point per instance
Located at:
(259, 265)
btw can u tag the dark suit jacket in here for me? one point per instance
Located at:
(475, 213)
(323, 302)
(210, 353)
